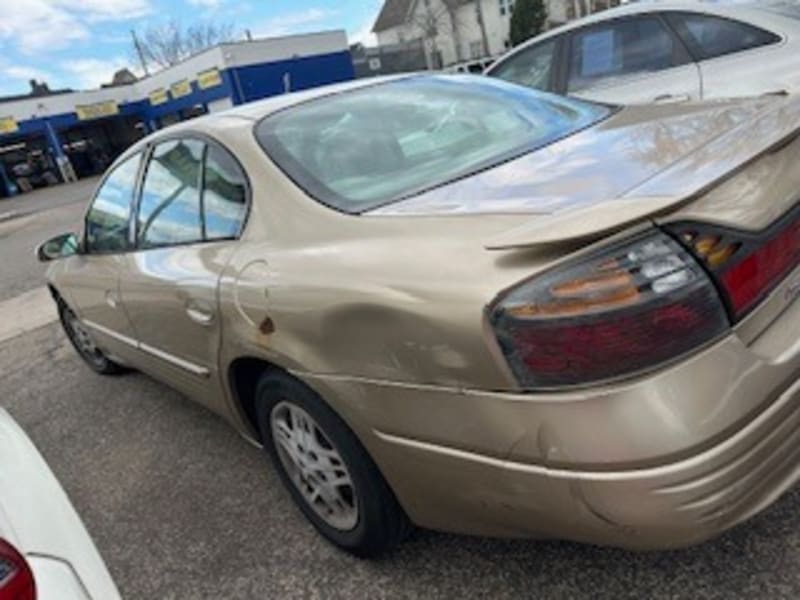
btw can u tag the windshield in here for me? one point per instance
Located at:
(361, 149)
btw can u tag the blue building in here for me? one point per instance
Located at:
(66, 136)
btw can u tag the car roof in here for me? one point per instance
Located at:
(262, 108)
(243, 117)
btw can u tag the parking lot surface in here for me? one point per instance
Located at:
(182, 508)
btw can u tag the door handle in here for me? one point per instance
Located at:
(200, 315)
(672, 98)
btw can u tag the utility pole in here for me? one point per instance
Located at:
(482, 24)
(138, 47)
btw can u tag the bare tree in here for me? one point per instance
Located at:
(482, 25)
(433, 21)
(430, 22)
(169, 44)
(451, 7)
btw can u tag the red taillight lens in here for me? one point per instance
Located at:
(627, 308)
(16, 578)
(747, 266)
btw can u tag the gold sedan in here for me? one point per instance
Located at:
(466, 305)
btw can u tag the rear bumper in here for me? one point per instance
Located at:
(55, 580)
(667, 461)
(673, 505)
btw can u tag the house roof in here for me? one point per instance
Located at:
(393, 13)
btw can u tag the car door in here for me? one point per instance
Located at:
(190, 212)
(91, 278)
(735, 58)
(630, 61)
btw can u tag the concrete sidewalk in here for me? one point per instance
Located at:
(25, 313)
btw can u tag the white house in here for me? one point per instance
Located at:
(460, 30)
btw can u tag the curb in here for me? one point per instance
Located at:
(7, 216)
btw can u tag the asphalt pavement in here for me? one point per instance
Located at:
(182, 508)
(28, 219)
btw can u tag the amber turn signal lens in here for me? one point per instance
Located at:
(720, 256)
(706, 244)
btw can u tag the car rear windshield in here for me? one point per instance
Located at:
(361, 149)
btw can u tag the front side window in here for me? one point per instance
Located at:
(532, 67)
(107, 221)
(358, 150)
(710, 37)
(619, 49)
(169, 209)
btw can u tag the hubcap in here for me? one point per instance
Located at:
(83, 338)
(314, 466)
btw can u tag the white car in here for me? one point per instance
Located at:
(45, 551)
(670, 51)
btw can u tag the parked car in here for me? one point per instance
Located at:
(475, 67)
(668, 51)
(464, 304)
(45, 551)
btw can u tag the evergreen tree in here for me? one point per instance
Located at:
(528, 20)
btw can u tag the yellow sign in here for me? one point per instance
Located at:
(159, 96)
(181, 88)
(8, 125)
(86, 112)
(208, 79)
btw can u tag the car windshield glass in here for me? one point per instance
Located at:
(361, 149)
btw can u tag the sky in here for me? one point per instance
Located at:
(79, 44)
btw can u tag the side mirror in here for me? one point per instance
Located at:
(60, 246)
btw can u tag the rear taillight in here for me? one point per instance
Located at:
(16, 578)
(746, 266)
(627, 308)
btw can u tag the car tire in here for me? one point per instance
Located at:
(82, 341)
(287, 410)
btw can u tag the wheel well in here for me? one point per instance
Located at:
(244, 374)
(54, 293)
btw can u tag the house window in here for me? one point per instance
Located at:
(476, 49)
(506, 7)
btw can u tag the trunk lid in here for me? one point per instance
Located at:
(643, 162)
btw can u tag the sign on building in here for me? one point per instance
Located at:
(8, 125)
(209, 78)
(159, 96)
(181, 88)
(98, 110)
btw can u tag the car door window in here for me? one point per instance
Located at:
(169, 209)
(709, 37)
(620, 48)
(107, 222)
(532, 67)
(224, 195)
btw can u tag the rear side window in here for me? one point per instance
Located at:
(709, 36)
(169, 209)
(621, 48)
(224, 195)
(108, 218)
(361, 149)
(532, 67)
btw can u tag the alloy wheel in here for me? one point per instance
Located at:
(83, 340)
(314, 466)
